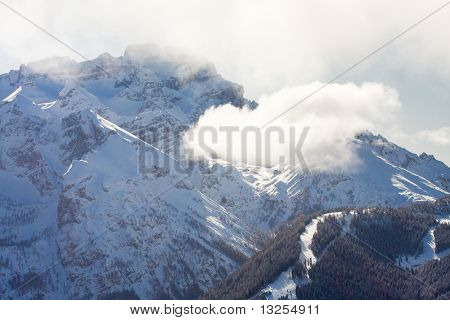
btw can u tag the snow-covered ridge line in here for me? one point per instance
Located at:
(113, 127)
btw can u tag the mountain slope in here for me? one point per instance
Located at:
(384, 177)
(73, 198)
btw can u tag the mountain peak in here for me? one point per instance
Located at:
(367, 136)
(427, 157)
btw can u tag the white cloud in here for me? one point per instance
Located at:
(334, 116)
(265, 45)
(439, 136)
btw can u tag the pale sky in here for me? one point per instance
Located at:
(266, 46)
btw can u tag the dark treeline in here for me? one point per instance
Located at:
(327, 231)
(120, 295)
(355, 269)
(260, 270)
(350, 270)
(392, 231)
(442, 237)
(436, 279)
(439, 207)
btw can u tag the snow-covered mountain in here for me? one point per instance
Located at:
(388, 175)
(79, 220)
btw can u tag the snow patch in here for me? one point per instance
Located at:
(46, 105)
(71, 165)
(13, 95)
(283, 287)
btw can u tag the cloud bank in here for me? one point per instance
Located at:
(334, 116)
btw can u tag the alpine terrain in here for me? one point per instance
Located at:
(92, 206)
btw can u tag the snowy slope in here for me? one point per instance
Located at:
(69, 175)
(151, 230)
(267, 197)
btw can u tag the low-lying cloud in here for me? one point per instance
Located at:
(334, 116)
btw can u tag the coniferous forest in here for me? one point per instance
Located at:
(350, 270)
(442, 237)
(357, 258)
(281, 253)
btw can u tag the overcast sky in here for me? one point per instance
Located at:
(266, 46)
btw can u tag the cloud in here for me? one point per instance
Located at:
(262, 44)
(334, 115)
(439, 136)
